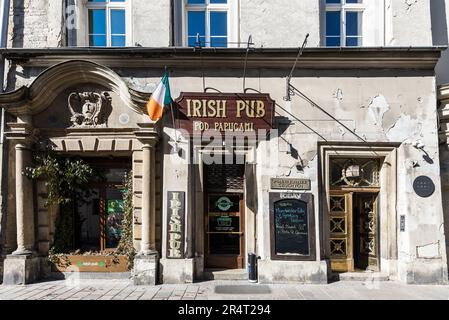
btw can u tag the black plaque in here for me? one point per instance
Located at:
(292, 226)
(402, 223)
(424, 186)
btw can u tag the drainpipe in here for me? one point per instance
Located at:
(4, 16)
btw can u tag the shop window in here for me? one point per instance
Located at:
(108, 23)
(208, 22)
(343, 20)
(354, 172)
(101, 212)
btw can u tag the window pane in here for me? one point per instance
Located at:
(89, 215)
(118, 41)
(97, 21)
(333, 23)
(97, 41)
(218, 23)
(218, 1)
(219, 42)
(353, 1)
(97, 28)
(333, 1)
(195, 1)
(118, 25)
(332, 41)
(196, 25)
(114, 217)
(352, 41)
(224, 244)
(352, 23)
(193, 41)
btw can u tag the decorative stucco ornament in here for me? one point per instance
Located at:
(91, 107)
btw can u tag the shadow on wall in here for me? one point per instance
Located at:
(444, 171)
(18, 13)
(439, 22)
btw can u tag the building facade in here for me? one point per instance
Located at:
(323, 166)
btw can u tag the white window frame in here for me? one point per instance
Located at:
(109, 6)
(344, 7)
(230, 8)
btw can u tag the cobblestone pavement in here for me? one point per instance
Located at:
(220, 290)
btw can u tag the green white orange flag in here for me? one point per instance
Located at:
(159, 99)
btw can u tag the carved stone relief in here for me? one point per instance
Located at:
(89, 109)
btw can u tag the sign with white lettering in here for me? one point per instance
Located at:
(224, 112)
(175, 224)
(424, 186)
(290, 184)
(292, 224)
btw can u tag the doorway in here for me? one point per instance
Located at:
(99, 218)
(354, 215)
(224, 216)
(354, 231)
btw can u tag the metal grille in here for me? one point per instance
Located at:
(224, 176)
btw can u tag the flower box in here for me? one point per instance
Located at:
(91, 263)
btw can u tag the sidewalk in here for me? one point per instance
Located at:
(220, 290)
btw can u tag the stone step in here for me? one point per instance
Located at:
(91, 275)
(361, 276)
(230, 274)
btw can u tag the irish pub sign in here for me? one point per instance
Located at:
(224, 112)
(175, 224)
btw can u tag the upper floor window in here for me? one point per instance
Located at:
(210, 20)
(344, 23)
(108, 23)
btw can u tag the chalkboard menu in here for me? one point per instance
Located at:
(292, 226)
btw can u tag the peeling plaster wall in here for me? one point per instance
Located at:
(410, 23)
(35, 24)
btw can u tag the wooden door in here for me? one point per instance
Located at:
(366, 246)
(224, 221)
(340, 224)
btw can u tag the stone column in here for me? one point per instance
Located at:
(23, 266)
(148, 245)
(24, 204)
(146, 262)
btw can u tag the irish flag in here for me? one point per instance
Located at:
(159, 99)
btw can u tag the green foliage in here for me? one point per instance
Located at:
(64, 180)
(125, 246)
(64, 177)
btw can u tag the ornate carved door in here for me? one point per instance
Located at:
(340, 224)
(366, 231)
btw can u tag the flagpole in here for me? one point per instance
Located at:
(172, 115)
(172, 111)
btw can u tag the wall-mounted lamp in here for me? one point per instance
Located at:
(418, 145)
